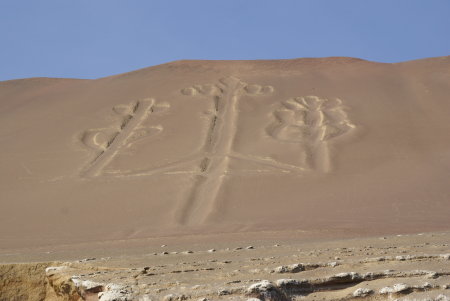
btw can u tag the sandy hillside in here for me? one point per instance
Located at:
(196, 147)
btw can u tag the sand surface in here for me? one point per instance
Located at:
(195, 147)
(216, 153)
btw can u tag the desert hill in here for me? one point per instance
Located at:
(194, 147)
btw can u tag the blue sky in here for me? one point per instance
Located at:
(95, 38)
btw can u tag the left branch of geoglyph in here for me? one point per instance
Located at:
(109, 142)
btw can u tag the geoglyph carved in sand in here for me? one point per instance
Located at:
(310, 121)
(108, 142)
(218, 147)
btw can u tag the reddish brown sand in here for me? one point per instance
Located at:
(323, 156)
(203, 147)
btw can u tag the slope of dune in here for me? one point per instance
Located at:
(196, 147)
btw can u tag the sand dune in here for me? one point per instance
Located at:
(196, 147)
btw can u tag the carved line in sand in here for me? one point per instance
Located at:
(312, 122)
(218, 145)
(108, 142)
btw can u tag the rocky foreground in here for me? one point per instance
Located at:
(402, 267)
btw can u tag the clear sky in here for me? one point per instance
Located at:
(95, 38)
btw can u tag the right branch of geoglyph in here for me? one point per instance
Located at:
(313, 122)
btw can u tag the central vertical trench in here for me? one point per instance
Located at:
(202, 198)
